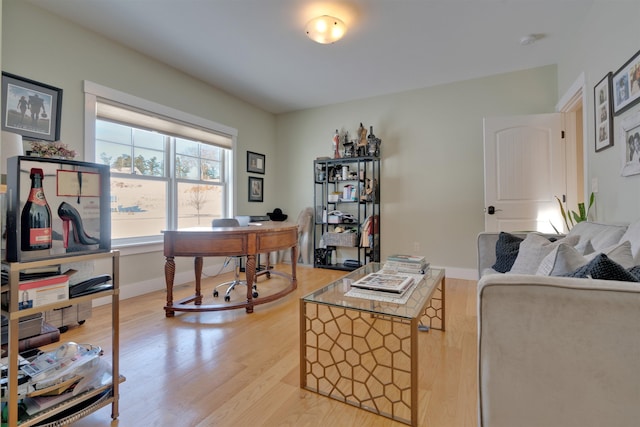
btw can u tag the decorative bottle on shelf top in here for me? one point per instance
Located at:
(336, 145)
(36, 216)
(373, 144)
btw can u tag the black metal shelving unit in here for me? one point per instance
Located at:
(360, 206)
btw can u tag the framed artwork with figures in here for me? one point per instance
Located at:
(30, 108)
(629, 137)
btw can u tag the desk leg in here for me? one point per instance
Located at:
(169, 274)
(294, 261)
(250, 273)
(197, 267)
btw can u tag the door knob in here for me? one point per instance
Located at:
(491, 210)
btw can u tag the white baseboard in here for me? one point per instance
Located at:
(131, 290)
(156, 284)
(461, 273)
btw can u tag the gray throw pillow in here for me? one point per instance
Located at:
(533, 249)
(565, 259)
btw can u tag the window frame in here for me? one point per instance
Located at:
(94, 92)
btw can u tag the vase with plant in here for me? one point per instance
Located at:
(571, 218)
(54, 150)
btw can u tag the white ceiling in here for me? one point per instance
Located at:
(257, 50)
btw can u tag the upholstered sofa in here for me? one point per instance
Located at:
(556, 351)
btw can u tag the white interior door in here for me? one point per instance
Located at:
(524, 166)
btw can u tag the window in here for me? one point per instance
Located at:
(166, 172)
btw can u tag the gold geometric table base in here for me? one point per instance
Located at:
(365, 359)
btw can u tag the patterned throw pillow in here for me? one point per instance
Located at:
(507, 248)
(635, 272)
(601, 267)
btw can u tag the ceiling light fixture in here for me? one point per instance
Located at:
(325, 29)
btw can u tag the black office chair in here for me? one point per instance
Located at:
(231, 222)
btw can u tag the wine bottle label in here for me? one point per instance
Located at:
(37, 196)
(39, 236)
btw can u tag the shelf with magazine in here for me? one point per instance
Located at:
(347, 220)
(58, 396)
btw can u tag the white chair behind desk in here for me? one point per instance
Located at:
(231, 222)
(305, 224)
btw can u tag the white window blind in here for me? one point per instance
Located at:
(111, 111)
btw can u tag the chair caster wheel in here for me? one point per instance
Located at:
(215, 294)
(227, 298)
(268, 275)
(255, 295)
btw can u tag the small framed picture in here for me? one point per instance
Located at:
(30, 108)
(629, 133)
(626, 85)
(602, 113)
(255, 162)
(255, 189)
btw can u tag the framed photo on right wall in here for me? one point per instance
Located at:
(602, 113)
(629, 137)
(626, 85)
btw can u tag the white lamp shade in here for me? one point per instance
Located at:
(10, 146)
(325, 29)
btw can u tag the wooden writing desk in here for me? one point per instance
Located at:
(250, 241)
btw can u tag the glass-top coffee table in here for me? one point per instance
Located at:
(364, 350)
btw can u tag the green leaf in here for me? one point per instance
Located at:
(563, 213)
(583, 212)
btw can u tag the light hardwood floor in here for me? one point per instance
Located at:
(235, 369)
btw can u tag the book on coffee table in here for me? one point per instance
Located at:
(413, 259)
(386, 281)
(407, 264)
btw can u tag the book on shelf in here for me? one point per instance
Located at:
(49, 335)
(385, 281)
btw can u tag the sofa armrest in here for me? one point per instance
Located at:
(486, 250)
(557, 351)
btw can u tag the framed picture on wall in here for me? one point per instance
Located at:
(626, 85)
(602, 113)
(255, 189)
(255, 162)
(629, 132)
(30, 108)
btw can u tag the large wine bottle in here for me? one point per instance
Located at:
(36, 216)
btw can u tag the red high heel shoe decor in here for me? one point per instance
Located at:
(68, 214)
